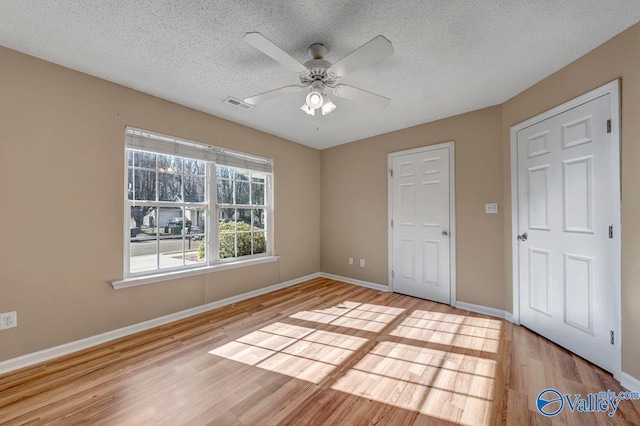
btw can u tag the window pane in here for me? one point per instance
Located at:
(225, 191)
(171, 252)
(257, 193)
(259, 243)
(244, 217)
(171, 221)
(143, 254)
(145, 185)
(194, 167)
(228, 216)
(193, 189)
(258, 177)
(227, 236)
(243, 240)
(130, 183)
(143, 220)
(242, 174)
(195, 220)
(225, 172)
(146, 160)
(242, 192)
(195, 235)
(130, 154)
(259, 219)
(169, 187)
(169, 164)
(142, 246)
(196, 251)
(227, 246)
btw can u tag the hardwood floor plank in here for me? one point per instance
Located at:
(321, 352)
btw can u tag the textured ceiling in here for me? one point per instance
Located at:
(450, 56)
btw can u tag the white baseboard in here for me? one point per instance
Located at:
(361, 283)
(493, 312)
(509, 317)
(78, 345)
(628, 381)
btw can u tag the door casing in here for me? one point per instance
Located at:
(613, 89)
(452, 211)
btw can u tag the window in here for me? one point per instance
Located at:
(241, 212)
(190, 205)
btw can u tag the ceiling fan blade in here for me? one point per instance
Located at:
(365, 55)
(287, 90)
(354, 94)
(269, 48)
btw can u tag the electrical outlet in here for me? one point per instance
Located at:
(351, 261)
(8, 320)
(362, 263)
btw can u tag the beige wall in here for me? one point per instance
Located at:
(61, 183)
(354, 203)
(618, 58)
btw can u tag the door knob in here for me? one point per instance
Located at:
(523, 237)
(444, 233)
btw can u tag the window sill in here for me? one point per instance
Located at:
(150, 279)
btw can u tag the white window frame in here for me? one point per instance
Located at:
(169, 145)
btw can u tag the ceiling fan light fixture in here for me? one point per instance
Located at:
(315, 98)
(327, 106)
(306, 108)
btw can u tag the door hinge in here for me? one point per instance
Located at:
(392, 223)
(391, 172)
(610, 231)
(613, 341)
(393, 274)
(609, 126)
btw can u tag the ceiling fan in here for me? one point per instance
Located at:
(321, 75)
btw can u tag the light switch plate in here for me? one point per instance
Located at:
(491, 208)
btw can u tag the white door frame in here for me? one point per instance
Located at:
(613, 90)
(452, 210)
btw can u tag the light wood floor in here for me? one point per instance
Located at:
(322, 352)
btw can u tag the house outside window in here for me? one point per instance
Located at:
(191, 205)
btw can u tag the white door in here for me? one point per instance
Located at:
(420, 229)
(565, 209)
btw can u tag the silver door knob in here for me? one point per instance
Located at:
(444, 233)
(523, 237)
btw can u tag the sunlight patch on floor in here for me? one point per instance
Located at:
(495, 324)
(361, 316)
(478, 334)
(438, 364)
(301, 352)
(439, 384)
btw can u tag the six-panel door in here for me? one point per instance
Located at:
(420, 190)
(566, 268)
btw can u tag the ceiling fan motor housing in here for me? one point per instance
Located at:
(317, 71)
(318, 66)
